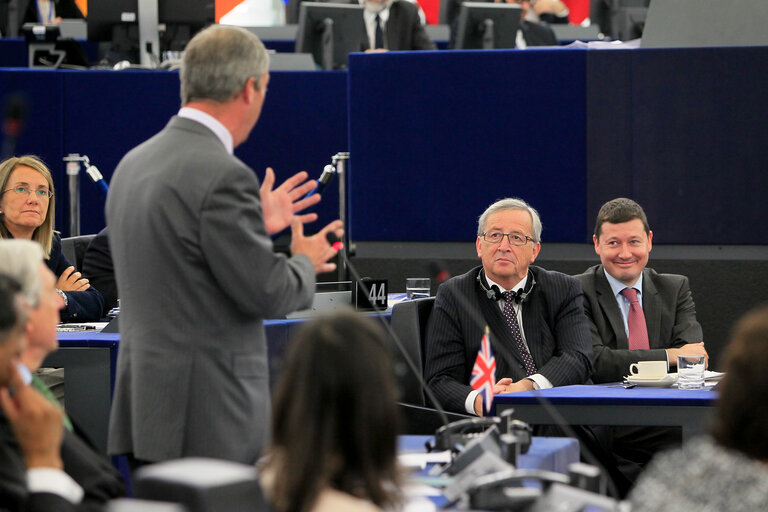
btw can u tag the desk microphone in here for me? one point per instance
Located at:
(333, 239)
(93, 172)
(329, 172)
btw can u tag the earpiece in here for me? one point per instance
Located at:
(493, 293)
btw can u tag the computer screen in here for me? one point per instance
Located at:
(330, 32)
(116, 21)
(487, 25)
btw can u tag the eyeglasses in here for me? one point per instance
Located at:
(40, 193)
(517, 239)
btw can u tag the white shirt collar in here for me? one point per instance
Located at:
(211, 123)
(24, 373)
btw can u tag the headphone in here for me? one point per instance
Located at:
(493, 293)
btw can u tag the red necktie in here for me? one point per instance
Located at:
(638, 332)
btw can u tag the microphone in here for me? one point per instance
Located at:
(438, 270)
(13, 122)
(96, 176)
(550, 409)
(333, 239)
(329, 172)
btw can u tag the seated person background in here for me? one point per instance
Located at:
(729, 470)
(31, 478)
(335, 421)
(100, 271)
(530, 33)
(623, 240)
(662, 325)
(539, 334)
(27, 207)
(400, 27)
(548, 11)
(23, 261)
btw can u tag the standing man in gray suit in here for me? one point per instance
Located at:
(539, 334)
(190, 236)
(623, 240)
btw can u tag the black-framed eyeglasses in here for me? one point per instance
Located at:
(40, 193)
(517, 239)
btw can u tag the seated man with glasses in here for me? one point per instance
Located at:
(538, 332)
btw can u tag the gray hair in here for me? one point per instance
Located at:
(21, 259)
(13, 313)
(218, 61)
(511, 203)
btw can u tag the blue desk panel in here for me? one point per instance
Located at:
(610, 405)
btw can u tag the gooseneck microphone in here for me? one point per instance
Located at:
(325, 178)
(333, 239)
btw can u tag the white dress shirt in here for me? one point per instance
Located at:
(539, 381)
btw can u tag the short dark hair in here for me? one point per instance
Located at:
(335, 419)
(620, 210)
(11, 311)
(741, 414)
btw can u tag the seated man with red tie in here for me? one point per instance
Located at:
(635, 314)
(538, 332)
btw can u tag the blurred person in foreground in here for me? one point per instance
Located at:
(22, 260)
(27, 207)
(729, 469)
(334, 429)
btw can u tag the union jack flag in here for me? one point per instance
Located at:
(484, 372)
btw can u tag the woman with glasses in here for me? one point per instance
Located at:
(27, 206)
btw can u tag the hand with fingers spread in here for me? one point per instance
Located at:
(72, 281)
(315, 247)
(280, 205)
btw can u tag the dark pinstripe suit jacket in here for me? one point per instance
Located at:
(670, 316)
(555, 328)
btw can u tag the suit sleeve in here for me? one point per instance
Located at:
(686, 329)
(421, 40)
(99, 270)
(446, 367)
(260, 282)
(572, 361)
(85, 306)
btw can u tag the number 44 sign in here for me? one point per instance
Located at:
(369, 293)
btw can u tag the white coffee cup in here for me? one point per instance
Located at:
(648, 369)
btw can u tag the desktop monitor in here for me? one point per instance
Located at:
(330, 32)
(116, 21)
(487, 25)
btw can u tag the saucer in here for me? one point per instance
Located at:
(654, 382)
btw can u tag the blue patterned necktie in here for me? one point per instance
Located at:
(511, 317)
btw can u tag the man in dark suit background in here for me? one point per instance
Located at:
(37, 472)
(623, 240)
(99, 269)
(530, 33)
(553, 344)
(400, 27)
(189, 229)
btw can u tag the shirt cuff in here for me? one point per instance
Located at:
(540, 381)
(469, 403)
(54, 481)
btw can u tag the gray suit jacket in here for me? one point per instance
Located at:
(196, 274)
(670, 316)
(556, 331)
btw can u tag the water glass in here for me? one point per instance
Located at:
(690, 372)
(417, 287)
